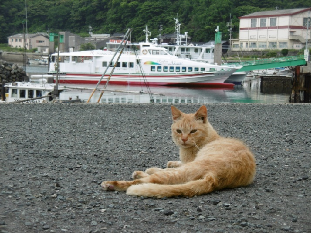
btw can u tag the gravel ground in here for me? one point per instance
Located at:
(54, 157)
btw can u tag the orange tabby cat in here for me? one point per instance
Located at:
(208, 162)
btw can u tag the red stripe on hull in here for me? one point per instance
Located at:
(215, 85)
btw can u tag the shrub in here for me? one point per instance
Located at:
(87, 46)
(284, 52)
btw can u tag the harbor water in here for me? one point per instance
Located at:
(247, 92)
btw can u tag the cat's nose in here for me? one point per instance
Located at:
(184, 138)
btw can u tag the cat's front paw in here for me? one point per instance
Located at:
(173, 164)
(139, 174)
(116, 185)
(107, 185)
(152, 170)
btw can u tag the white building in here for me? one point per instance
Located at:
(278, 29)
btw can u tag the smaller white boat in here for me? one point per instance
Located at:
(30, 92)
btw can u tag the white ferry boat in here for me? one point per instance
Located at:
(140, 63)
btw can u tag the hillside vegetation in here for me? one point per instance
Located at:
(198, 17)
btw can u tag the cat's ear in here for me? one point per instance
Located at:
(201, 114)
(176, 113)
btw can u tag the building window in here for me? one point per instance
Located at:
(283, 45)
(253, 45)
(262, 22)
(305, 22)
(272, 22)
(241, 45)
(253, 23)
(272, 45)
(262, 45)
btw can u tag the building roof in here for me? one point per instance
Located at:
(29, 35)
(276, 13)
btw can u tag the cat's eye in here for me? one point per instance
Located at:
(193, 131)
(178, 131)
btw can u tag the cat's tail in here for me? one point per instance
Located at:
(190, 189)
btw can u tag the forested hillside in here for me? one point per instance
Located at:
(198, 17)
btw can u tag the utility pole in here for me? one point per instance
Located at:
(229, 24)
(306, 52)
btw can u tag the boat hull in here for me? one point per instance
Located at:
(201, 79)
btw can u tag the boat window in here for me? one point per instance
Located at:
(202, 69)
(39, 93)
(152, 68)
(182, 50)
(77, 59)
(177, 69)
(155, 52)
(88, 58)
(124, 64)
(212, 69)
(196, 50)
(158, 52)
(30, 93)
(159, 68)
(189, 69)
(22, 93)
(207, 50)
(171, 68)
(131, 64)
(104, 64)
(112, 64)
(196, 69)
(118, 64)
(183, 69)
(66, 59)
(14, 92)
(165, 68)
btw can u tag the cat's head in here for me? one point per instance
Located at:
(189, 130)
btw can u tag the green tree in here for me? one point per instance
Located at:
(87, 46)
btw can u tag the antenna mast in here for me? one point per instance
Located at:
(147, 33)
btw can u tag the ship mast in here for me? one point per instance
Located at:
(147, 33)
(177, 28)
